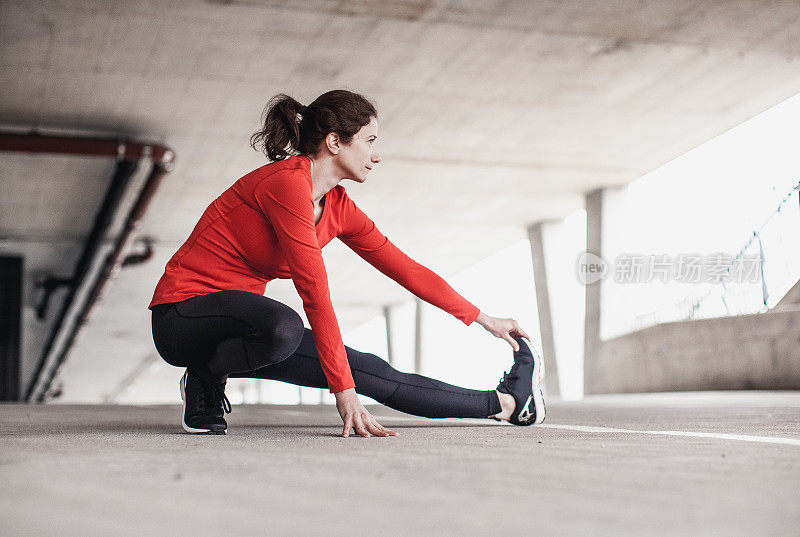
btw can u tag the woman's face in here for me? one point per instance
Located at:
(358, 157)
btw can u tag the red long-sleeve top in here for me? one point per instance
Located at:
(262, 228)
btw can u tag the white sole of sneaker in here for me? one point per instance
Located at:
(538, 374)
(186, 428)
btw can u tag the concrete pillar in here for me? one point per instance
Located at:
(591, 345)
(535, 237)
(400, 339)
(418, 337)
(387, 317)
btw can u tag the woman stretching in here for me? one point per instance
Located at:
(210, 315)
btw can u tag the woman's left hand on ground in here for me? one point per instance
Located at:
(356, 417)
(506, 329)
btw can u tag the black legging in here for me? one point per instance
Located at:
(241, 334)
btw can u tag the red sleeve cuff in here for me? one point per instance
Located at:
(343, 387)
(471, 319)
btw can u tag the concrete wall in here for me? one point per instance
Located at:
(760, 351)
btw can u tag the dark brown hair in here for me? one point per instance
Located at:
(289, 128)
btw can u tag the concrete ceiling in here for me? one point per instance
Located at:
(493, 115)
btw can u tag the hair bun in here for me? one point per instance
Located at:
(339, 111)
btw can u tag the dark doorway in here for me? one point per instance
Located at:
(10, 318)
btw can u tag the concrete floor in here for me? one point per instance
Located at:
(608, 465)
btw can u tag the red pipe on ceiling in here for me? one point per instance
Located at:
(90, 147)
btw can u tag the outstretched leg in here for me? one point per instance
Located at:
(375, 378)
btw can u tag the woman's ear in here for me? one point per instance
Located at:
(332, 143)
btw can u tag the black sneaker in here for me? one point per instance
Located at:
(203, 405)
(524, 383)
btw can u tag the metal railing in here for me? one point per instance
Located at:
(732, 297)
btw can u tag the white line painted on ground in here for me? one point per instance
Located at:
(589, 429)
(292, 412)
(696, 434)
